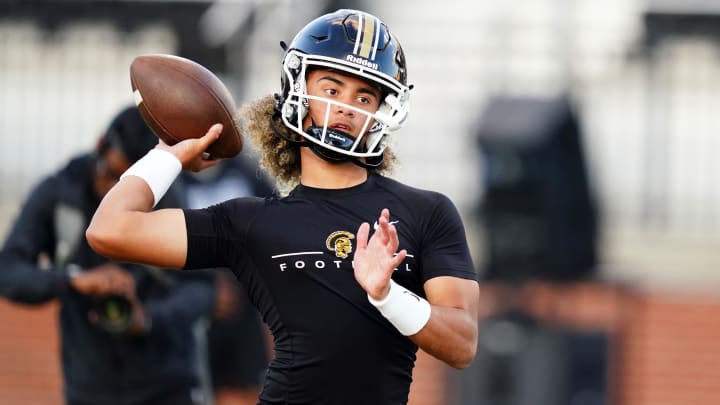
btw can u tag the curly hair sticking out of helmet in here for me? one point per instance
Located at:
(318, 108)
(278, 156)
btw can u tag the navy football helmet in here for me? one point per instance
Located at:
(355, 43)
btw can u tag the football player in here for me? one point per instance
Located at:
(352, 271)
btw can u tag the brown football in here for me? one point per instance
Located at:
(181, 99)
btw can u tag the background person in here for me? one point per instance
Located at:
(126, 330)
(237, 342)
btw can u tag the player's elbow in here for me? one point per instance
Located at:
(464, 357)
(103, 238)
(466, 349)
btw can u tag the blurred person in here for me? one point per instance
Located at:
(237, 342)
(348, 303)
(126, 330)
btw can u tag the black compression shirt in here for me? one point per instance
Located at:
(294, 255)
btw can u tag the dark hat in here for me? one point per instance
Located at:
(129, 133)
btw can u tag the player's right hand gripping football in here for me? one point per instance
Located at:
(191, 152)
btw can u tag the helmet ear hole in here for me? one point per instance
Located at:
(289, 112)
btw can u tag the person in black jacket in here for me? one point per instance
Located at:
(127, 331)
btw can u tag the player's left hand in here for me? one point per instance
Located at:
(375, 256)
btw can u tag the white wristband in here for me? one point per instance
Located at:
(158, 168)
(405, 310)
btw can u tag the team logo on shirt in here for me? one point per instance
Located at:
(340, 242)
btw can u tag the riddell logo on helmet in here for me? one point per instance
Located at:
(361, 61)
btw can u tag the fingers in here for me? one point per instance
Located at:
(375, 256)
(201, 163)
(120, 282)
(384, 220)
(105, 280)
(190, 151)
(398, 259)
(198, 158)
(211, 136)
(386, 231)
(385, 234)
(201, 144)
(362, 235)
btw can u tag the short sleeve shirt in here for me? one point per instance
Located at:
(294, 256)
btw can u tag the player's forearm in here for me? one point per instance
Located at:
(112, 222)
(450, 335)
(444, 325)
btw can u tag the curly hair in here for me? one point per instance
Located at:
(280, 158)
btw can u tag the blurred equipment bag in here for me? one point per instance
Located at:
(537, 211)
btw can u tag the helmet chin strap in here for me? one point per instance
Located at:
(324, 153)
(370, 162)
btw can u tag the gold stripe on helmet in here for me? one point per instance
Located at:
(368, 35)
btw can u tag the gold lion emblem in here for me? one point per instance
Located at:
(340, 243)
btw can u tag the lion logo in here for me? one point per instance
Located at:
(340, 243)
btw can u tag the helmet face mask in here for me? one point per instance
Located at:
(350, 43)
